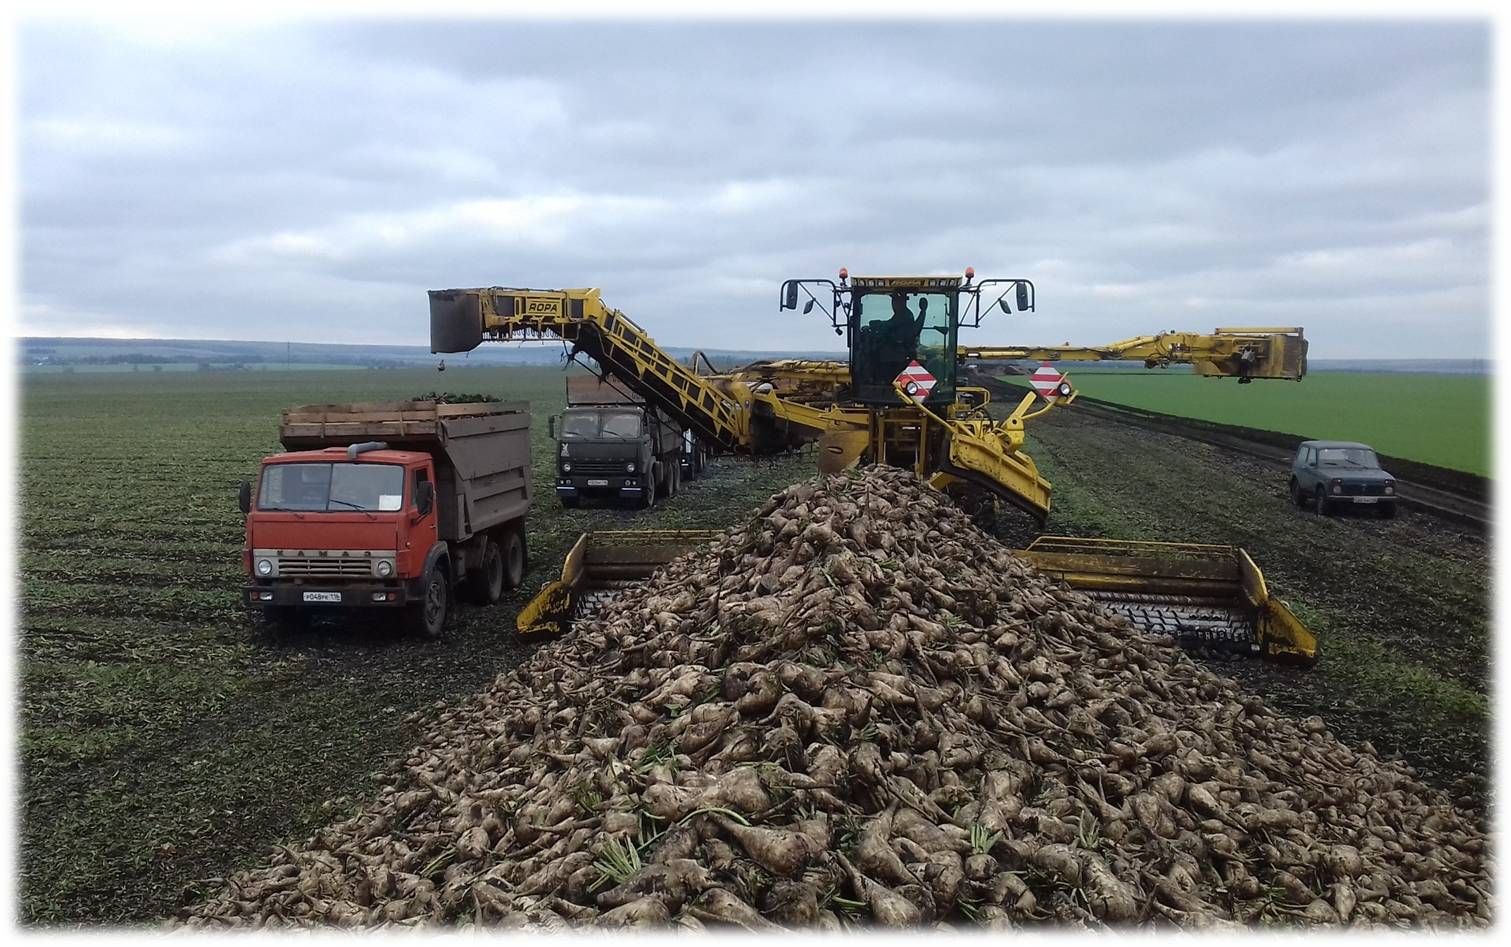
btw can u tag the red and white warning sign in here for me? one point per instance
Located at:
(1048, 382)
(916, 381)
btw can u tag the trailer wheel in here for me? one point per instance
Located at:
(427, 617)
(512, 560)
(486, 583)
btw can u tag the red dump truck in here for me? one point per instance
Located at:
(389, 505)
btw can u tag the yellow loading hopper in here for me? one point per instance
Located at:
(599, 565)
(1211, 596)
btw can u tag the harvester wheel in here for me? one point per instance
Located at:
(1321, 501)
(427, 617)
(486, 583)
(513, 559)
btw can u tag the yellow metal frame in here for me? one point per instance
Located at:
(1279, 351)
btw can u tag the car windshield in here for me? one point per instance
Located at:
(1347, 457)
(607, 423)
(331, 488)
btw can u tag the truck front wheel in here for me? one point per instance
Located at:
(486, 583)
(648, 491)
(513, 559)
(427, 617)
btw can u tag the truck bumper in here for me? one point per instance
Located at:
(598, 486)
(366, 595)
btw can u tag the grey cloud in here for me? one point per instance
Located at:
(267, 183)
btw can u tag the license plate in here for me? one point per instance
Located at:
(598, 483)
(322, 597)
(1366, 499)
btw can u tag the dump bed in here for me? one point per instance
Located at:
(481, 451)
(1202, 595)
(590, 389)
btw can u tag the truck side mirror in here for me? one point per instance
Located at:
(1023, 303)
(551, 426)
(244, 496)
(424, 497)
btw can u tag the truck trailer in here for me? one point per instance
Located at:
(389, 505)
(611, 444)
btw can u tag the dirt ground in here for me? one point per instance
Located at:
(1402, 606)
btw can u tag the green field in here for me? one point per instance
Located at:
(1436, 419)
(165, 737)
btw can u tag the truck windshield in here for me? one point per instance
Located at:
(331, 488)
(1347, 457)
(604, 423)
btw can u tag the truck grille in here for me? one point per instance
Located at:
(599, 468)
(325, 567)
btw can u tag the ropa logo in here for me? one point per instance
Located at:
(542, 307)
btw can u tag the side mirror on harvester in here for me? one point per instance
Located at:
(244, 496)
(424, 497)
(1023, 303)
(789, 294)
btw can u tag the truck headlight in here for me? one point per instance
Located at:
(629, 467)
(383, 568)
(264, 567)
(566, 468)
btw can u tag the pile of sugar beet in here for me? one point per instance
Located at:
(854, 709)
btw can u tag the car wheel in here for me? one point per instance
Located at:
(513, 559)
(1297, 496)
(427, 617)
(1321, 502)
(486, 583)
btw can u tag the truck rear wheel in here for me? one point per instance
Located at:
(427, 617)
(513, 559)
(674, 474)
(486, 583)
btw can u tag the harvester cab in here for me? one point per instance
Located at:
(903, 330)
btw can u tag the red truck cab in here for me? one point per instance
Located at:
(340, 526)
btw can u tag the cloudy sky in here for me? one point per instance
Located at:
(310, 181)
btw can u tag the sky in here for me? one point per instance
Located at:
(309, 181)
